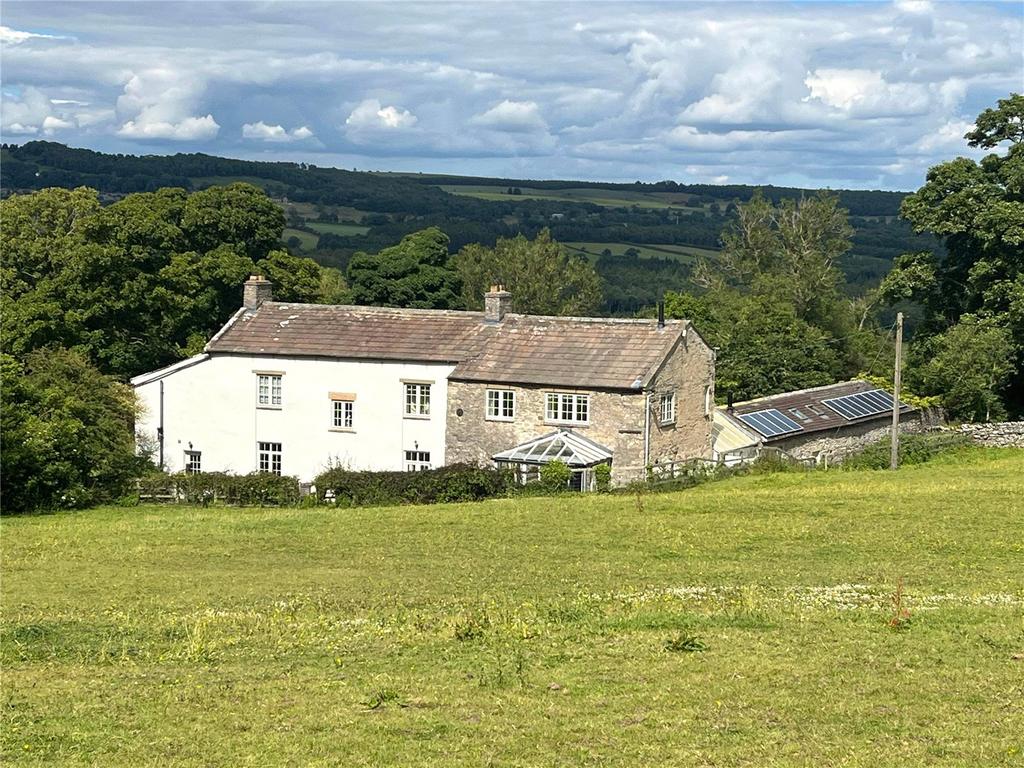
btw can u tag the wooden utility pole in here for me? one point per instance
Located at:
(894, 457)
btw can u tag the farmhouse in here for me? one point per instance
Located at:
(822, 423)
(293, 388)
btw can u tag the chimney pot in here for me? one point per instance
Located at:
(497, 303)
(257, 290)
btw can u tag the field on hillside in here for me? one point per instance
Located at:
(686, 254)
(609, 198)
(740, 623)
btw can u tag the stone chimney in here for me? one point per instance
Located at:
(497, 303)
(257, 290)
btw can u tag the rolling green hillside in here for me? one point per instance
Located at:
(333, 213)
(747, 622)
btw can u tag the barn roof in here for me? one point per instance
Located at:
(833, 406)
(519, 349)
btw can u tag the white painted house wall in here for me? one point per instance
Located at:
(211, 402)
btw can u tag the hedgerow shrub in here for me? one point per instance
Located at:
(555, 475)
(914, 449)
(256, 489)
(452, 483)
(67, 433)
(603, 477)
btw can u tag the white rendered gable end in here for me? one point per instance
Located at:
(161, 373)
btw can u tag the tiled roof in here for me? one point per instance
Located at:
(806, 407)
(521, 349)
(568, 352)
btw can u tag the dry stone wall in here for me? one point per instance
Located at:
(1005, 434)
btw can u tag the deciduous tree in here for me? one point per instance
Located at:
(543, 279)
(415, 273)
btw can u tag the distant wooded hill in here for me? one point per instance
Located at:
(643, 238)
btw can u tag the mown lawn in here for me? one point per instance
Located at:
(531, 631)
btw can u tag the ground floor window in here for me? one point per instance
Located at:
(501, 404)
(416, 461)
(193, 462)
(270, 458)
(343, 414)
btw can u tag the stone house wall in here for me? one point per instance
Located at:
(689, 372)
(616, 422)
(616, 417)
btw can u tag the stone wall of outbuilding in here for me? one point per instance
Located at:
(833, 446)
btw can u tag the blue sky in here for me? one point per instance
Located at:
(862, 95)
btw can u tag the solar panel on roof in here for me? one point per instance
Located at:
(863, 404)
(770, 422)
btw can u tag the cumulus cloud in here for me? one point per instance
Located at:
(260, 131)
(844, 94)
(512, 117)
(158, 103)
(188, 129)
(370, 114)
(31, 113)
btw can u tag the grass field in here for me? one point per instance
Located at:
(740, 623)
(308, 239)
(685, 253)
(337, 229)
(609, 198)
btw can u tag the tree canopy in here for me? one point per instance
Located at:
(414, 273)
(141, 282)
(542, 277)
(67, 433)
(773, 302)
(977, 208)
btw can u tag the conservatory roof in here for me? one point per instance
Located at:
(564, 445)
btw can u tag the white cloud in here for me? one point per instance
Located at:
(189, 129)
(512, 117)
(260, 131)
(30, 114)
(845, 93)
(52, 124)
(159, 104)
(947, 138)
(914, 6)
(370, 114)
(844, 88)
(10, 36)
(19, 129)
(866, 93)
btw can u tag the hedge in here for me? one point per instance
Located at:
(455, 482)
(256, 489)
(913, 449)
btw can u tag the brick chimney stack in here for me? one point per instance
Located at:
(257, 290)
(497, 304)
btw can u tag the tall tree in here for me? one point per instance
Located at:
(415, 273)
(542, 277)
(764, 347)
(139, 283)
(977, 208)
(67, 433)
(791, 250)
